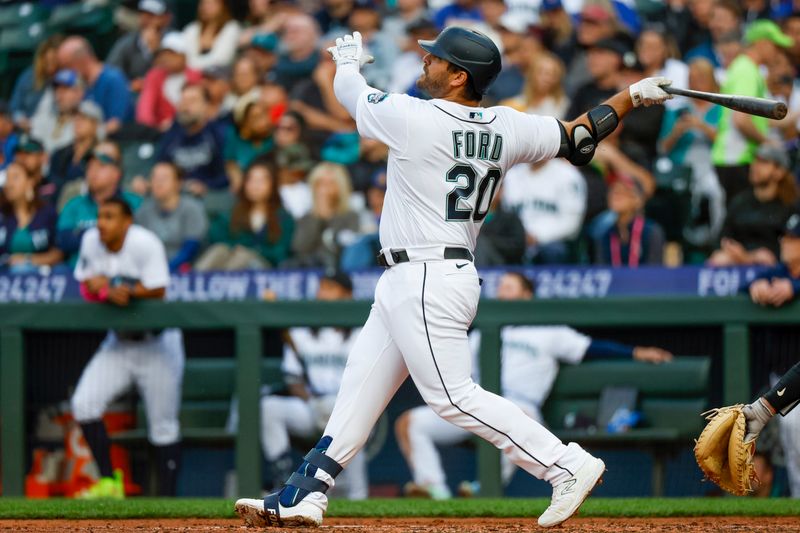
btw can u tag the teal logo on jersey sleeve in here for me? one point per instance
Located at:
(376, 98)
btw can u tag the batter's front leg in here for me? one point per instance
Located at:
(375, 370)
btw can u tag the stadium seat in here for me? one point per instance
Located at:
(22, 15)
(17, 47)
(92, 21)
(671, 398)
(137, 158)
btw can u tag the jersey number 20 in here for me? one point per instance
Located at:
(459, 192)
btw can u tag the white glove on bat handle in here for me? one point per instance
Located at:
(349, 50)
(648, 91)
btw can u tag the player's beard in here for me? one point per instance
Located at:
(434, 87)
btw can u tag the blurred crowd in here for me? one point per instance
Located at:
(227, 140)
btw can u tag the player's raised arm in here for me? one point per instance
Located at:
(349, 84)
(579, 137)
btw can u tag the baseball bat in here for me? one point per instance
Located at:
(762, 107)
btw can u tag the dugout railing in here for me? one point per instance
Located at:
(736, 317)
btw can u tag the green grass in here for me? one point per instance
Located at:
(216, 508)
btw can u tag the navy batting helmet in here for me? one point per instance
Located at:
(470, 50)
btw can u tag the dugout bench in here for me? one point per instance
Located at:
(671, 398)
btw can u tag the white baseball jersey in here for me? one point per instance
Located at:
(142, 258)
(550, 200)
(530, 358)
(322, 357)
(446, 162)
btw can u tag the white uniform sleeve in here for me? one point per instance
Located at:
(537, 138)
(84, 269)
(378, 115)
(291, 364)
(569, 345)
(155, 269)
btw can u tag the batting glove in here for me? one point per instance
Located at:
(757, 415)
(349, 50)
(648, 91)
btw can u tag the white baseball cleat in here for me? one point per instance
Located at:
(304, 514)
(570, 494)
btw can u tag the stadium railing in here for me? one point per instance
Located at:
(735, 316)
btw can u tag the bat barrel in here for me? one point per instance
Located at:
(762, 107)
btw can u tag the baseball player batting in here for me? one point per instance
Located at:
(120, 262)
(447, 157)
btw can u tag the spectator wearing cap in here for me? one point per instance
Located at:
(103, 181)
(366, 19)
(406, 68)
(105, 84)
(373, 156)
(300, 55)
(604, 62)
(257, 233)
(30, 154)
(212, 39)
(543, 92)
(550, 199)
(262, 50)
(630, 239)
(780, 285)
(34, 82)
(53, 121)
(558, 30)
(27, 224)
(596, 22)
(331, 224)
(8, 138)
(179, 220)
(725, 19)
(196, 147)
(293, 161)
(217, 82)
(161, 89)
(68, 164)
(458, 12)
(687, 133)
(250, 137)
(757, 215)
(740, 134)
(135, 52)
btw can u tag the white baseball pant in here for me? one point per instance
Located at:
(426, 430)
(285, 416)
(155, 366)
(418, 326)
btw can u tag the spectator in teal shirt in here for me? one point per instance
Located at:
(248, 138)
(103, 177)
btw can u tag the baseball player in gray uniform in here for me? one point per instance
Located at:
(447, 157)
(120, 262)
(530, 362)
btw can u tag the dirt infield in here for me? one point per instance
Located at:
(420, 525)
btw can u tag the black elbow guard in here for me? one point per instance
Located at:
(578, 146)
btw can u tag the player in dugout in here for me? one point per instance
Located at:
(530, 363)
(120, 262)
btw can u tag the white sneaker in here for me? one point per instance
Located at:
(569, 495)
(304, 514)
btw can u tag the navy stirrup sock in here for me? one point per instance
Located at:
(291, 494)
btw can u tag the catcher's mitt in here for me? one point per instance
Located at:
(721, 452)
